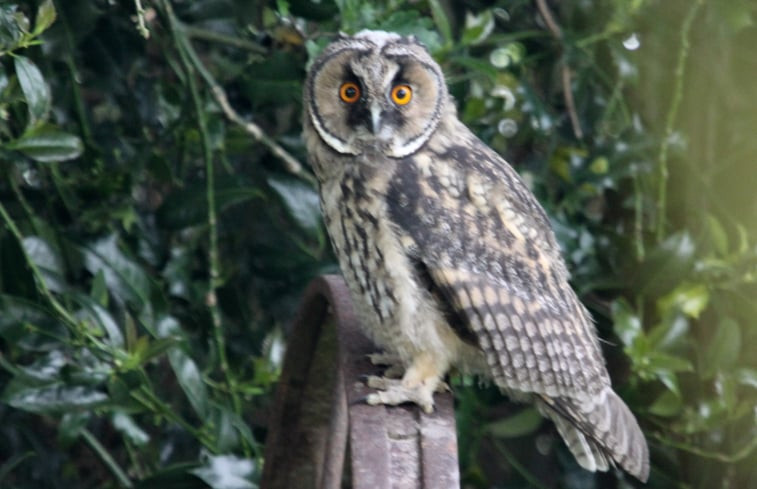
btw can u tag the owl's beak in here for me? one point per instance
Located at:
(375, 119)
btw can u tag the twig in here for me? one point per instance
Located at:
(515, 464)
(638, 222)
(290, 162)
(728, 458)
(189, 61)
(141, 27)
(95, 444)
(39, 280)
(566, 75)
(208, 35)
(662, 159)
(567, 91)
(549, 19)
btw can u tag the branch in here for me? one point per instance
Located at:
(567, 91)
(290, 162)
(141, 27)
(549, 19)
(662, 159)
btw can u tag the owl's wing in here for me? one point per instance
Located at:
(486, 247)
(483, 246)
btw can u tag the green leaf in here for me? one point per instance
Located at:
(227, 472)
(690, 299)
(717, 235)
(663, 362)
(300, 200)
(26, 324)
(47, 260)
(45, 17)
(47, 144)
(46, 369)
(99, 290)
(666, 266)
(10, 32)
(626, 323)
(185, 369)
(520, 424)
(125, 279)
(671, 333)
(52, 399)
(71, 425)
(722, 352)
(100, 318)
(477, 27)
(747, 377)
(224, 429)
(127, 427)
(35, 88)
(189, 206)
(668, 404)
(442, 21)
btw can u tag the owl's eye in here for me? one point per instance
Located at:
(349, 92)
(401, 94)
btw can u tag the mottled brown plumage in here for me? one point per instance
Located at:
(450, 259)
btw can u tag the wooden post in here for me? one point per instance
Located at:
(321, 434)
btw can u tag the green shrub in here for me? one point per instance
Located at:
(159, 224)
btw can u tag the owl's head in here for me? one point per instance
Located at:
(375, 90)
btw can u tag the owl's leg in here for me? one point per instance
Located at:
(395, 369)
(422, 378)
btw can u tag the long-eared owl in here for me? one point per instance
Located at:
(450, 259)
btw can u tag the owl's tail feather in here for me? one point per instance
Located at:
(600, 432)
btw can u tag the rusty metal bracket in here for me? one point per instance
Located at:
(321, 437)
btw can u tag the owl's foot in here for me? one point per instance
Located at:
(417, 385)
(393, 392)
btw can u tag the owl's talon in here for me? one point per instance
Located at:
(393, 392)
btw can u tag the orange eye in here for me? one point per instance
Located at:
(401, 94)
(349, 92)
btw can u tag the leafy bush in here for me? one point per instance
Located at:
(158, 226)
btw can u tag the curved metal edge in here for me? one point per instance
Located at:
(285, 415)
(327, 301)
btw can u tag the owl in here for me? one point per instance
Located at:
(450, 260)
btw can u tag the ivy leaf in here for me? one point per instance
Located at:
(35, 88)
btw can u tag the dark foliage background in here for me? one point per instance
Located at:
(158, 226)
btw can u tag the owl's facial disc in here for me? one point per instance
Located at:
(380, 96)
